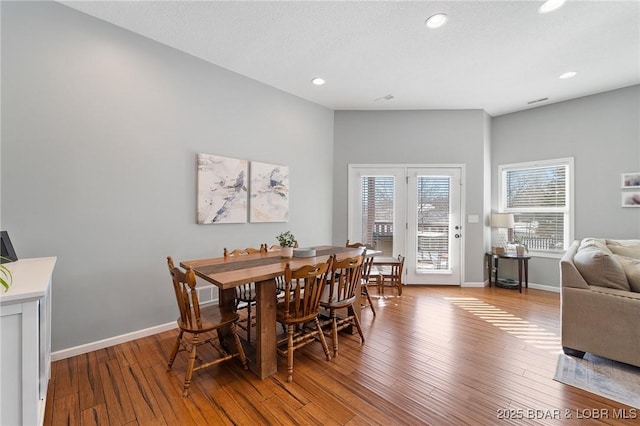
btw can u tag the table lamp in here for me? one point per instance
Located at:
(502, 221)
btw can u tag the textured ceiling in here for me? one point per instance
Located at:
(496, 56)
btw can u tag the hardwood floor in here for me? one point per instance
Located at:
(436, 355)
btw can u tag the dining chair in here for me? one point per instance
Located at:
(367, 263)
(279, 279)
(246, 293)
(390, 276)
(366, 275)
(197, 321)
(305, 285)
(339, 294)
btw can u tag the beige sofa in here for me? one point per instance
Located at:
(600, 300)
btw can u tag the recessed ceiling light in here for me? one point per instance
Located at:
(318, 81)
(437, 20)
(550, 6)
(568, 74)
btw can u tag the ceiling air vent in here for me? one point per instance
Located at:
(537, 100)
(385, 98)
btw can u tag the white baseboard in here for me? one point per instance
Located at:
(545, 287)
(111, 341)
(116, 340)
(531, 285)
(475, 284)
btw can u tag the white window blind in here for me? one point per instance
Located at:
(432, 240)
(538, 195)
(377, 208)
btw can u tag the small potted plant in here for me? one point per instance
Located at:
(287, 241)
(521, 247)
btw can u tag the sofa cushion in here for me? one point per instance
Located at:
(599, 267)
(626, 243)
(631, 268)
(632, 251)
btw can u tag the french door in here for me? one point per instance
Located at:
(414, 211)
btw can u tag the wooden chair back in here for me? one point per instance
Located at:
(397, 270)
(305, 286)
(392, 277)
(356, 245)
(367, 263)
(246, 292)
(345, 277)
(248, 250)
(277, 247)
(184, 286)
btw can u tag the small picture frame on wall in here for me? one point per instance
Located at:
(631, 199)
(630, 180)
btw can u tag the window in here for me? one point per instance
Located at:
(538, 194)
(378, 195)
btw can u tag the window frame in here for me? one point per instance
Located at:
(568, 210)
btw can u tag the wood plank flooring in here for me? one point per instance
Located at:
(436, 355)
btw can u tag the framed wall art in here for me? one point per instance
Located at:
(631, 180)
(269, 193)
(222, 189)
(631, 199)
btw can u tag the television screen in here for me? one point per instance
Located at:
(6, 250)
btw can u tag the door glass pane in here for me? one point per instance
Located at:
(432, 239)
(378, 212)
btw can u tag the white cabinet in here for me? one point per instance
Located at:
(25, 342)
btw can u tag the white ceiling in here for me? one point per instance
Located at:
(496, 56)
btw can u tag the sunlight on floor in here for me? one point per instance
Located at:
(529, 333)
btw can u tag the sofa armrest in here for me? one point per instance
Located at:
(603, 321)
(569, 274)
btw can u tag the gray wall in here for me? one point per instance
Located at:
(100, 131)
(415, 137)
(602, 133)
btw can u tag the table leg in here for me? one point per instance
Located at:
(520, 275)
(526, 273)
(226, 299)
(266, 362)
(495, 270)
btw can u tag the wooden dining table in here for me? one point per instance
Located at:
(262, 269)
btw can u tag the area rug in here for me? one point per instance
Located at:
(610, 379)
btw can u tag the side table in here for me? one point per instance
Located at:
(523, 266)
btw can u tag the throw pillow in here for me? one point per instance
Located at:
(632, 269)
(597, 243)
(627, 251)
(600, 268)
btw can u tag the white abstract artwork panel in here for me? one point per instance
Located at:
(222, 189)
(269, 193)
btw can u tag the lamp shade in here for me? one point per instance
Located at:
(502, 220)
